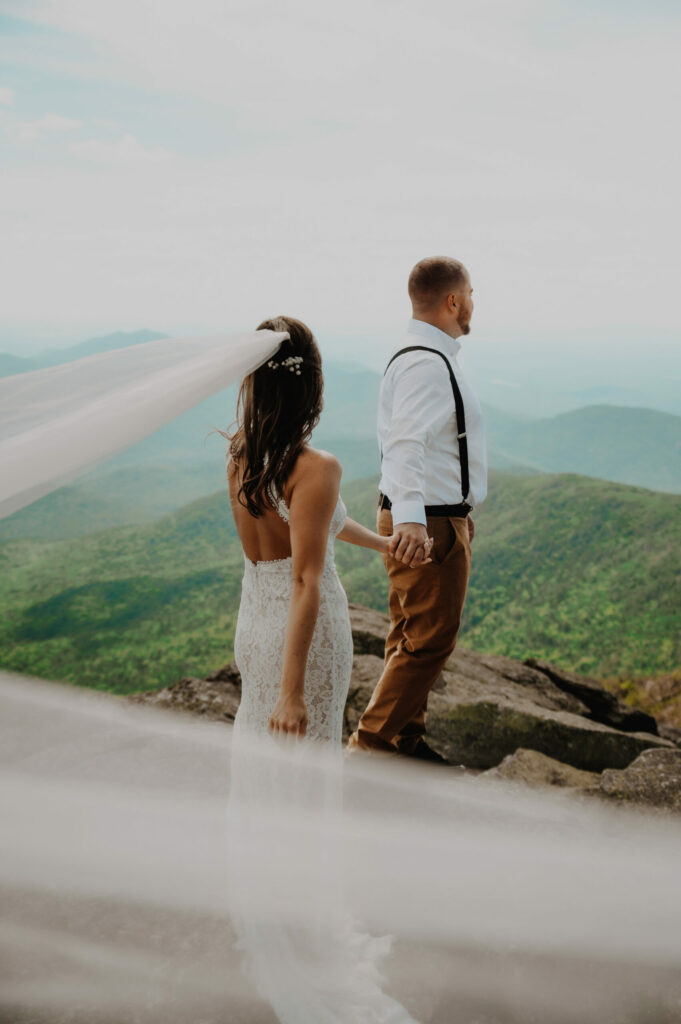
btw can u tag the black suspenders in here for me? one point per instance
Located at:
(460, 416)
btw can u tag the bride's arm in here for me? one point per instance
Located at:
(355, 533)
(311, 505)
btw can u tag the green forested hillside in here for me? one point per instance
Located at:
(127, 608)
(128, 495)
(582, 572)
(142, 493)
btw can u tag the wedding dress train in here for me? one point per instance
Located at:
(304, 951)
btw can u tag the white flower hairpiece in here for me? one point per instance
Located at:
(292, 364)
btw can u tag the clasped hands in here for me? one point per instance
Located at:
(411, 544)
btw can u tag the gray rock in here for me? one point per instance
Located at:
(480, 730)
(369, 630)
(216, 697)
(670, 732)
(603, 706)
(653, 779)
(536, 769)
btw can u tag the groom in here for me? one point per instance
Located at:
(434, 471)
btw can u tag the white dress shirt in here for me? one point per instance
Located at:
(417, 429)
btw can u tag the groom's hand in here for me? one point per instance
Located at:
(407, 539)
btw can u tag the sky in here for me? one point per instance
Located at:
(201, 166)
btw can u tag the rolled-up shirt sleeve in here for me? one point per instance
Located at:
(422, 403)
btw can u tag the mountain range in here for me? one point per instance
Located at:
(580, 572)
(610, 442)
(185, 459)
(11, 364)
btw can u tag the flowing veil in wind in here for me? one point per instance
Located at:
(117, 889)
(61, 421)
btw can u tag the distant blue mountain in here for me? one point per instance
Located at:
(10, 364)
(622, 444)
(612, 442)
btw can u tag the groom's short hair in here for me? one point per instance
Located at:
(433, 278)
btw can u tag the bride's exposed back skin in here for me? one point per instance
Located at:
(279, 406)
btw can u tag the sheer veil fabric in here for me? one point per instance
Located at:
(59, 422)
(507, 904)
(121, 869)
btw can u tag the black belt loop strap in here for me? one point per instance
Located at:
(460, 416)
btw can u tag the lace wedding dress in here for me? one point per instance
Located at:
(300, 944)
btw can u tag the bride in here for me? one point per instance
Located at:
(293, 647)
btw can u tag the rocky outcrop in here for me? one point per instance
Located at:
(484, 707)
(535, 769)
(602, 706)
(652, 779)
(529, 722)
(216, 697)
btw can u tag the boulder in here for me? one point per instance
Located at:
(653, 779)
(480, 729)
(602, 705)
(536, 769)
(216, 697)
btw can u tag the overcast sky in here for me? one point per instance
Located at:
(203, 165)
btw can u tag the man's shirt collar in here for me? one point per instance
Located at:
(434, 336)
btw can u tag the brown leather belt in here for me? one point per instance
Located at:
(461, 510)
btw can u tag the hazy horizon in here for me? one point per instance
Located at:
(206, 168)
(523, 375)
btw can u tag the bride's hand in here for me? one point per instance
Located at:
(289, 716)
(387, 549)
(427, 548)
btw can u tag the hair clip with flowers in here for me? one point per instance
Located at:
(292, 364)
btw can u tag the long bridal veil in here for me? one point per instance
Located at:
(58, 422)
(122, 877)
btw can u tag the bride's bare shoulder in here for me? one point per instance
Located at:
(315, 471)
(316, 461)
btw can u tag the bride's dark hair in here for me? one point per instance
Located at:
(278, 408)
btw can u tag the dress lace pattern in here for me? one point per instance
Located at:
(261, 631)
(322, 969)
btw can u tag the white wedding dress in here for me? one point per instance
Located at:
(304, 952)
(258, 651)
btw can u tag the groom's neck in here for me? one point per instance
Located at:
(452, 328)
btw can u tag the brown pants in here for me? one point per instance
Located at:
(425, 611)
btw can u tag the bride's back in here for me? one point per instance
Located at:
(267, 537)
